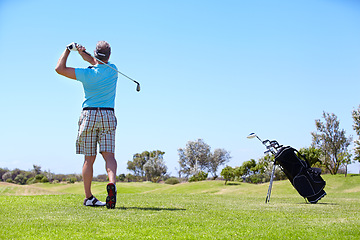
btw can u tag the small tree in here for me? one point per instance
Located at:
(197, 157)
(148, 164)
(2, 172)
(356, 127)
(247, 167)
(138, 162)
(36, 169)
(331, 140)
(49, 175)
(251, 171)
(7, 176)
(218, 158)
(155, 167)
(194, 158)
(228, 174)
(345, 157)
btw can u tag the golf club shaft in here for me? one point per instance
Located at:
(112, 68)
(270, 185)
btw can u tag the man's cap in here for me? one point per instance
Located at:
(102, 50)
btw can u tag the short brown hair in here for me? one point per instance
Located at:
(103, 50)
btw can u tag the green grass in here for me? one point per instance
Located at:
(199, 210)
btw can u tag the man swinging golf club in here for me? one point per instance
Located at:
(97, 123)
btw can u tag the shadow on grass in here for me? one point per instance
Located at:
(151, 209)
(319, 203)
(353, 175)
(232, 183)
(324, 203)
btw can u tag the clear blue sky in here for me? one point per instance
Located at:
(216, 70)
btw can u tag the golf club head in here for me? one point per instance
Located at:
(251, 135)
(138, 87)
(274, 143)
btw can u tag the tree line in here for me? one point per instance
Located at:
(36, 175)
(329, 151)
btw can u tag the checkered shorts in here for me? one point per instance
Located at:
(96, 127)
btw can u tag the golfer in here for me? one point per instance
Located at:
(97, 123)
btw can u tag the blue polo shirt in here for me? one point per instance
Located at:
(99, 84)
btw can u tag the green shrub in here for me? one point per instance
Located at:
(172, 181)
(121, 177)
(9, 180)
(198, 177)
(44, 180)
(31, 181)
(256, 178)
(71, 180)
(20, 179)
(39, 177)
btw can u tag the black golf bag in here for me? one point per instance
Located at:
(305, 179)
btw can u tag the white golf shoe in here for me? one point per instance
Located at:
(93, 202)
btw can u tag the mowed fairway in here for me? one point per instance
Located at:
(201, 210)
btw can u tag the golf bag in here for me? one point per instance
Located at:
(305, 179)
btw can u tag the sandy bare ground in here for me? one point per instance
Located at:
(15, 189)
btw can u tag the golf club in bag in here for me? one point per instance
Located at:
(73, 47)
(305, 179)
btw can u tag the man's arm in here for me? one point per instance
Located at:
(85, 56)
(61, 67)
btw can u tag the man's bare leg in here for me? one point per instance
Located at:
(87, 173)
(110, 165)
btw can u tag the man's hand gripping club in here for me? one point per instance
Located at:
(69, 72)
(82, 51)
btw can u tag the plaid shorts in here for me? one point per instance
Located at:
(96, 127)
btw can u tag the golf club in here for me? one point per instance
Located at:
(253, 135)
(73, 46)
(270, 146)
